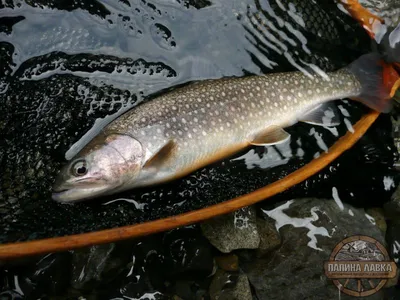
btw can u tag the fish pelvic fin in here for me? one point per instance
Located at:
(271, 136)
(379, 81)
(162, 156)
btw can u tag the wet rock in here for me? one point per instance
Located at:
(237, 230)
(393, 240)
(228, 262)
(230, 286)
(190, 289)
(392, 293)
(40, 277)
(143, 276)
(392, 208)
(310, 229)
(11, 295)
(379, 216)
(97, 265)
(187, 253)
(269, 236)
(392, 282)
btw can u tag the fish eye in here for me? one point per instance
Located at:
(79, 168)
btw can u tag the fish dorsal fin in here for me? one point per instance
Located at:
(162, 156)
(271, 136)
(323, 115)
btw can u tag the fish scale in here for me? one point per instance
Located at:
(196, 125)
(205, 117)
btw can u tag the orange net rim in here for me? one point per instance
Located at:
(56, 244)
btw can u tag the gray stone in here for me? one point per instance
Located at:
(393, 239)
(379, 217)
(237, 230)
(97, 265)
(228, 262)
(310, 229)
(393, 281)
(230, 286)
(392, 208)
(269, 236)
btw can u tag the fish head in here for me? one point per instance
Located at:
(103, 166)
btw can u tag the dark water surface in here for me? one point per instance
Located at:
(67, 68)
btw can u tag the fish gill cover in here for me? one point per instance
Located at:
(67, 68)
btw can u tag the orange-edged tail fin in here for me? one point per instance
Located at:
(367, 19)
(391, 78)
(379, 81)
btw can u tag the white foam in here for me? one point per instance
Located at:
(140, 206)
(145, 296)
(388, 183)
(133, 266)
(348, 125)
(318, 138)
(396, 250)
(283, 219)
(275, 156)
(335, 196)
(17, 286)
(371, 219)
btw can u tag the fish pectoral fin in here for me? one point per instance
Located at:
(271, 136)
(162, 156)
(323, 115)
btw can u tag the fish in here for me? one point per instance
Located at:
(188, 128)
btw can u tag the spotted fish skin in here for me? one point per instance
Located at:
(213, 119)
(190, 127)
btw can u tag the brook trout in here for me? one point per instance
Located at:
(191, 127)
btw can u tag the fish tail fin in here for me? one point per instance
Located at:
(379, 81)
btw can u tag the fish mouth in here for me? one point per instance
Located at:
(77, 194)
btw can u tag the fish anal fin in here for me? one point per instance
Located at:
(325, 114)
(162, 156)
(271, 136)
